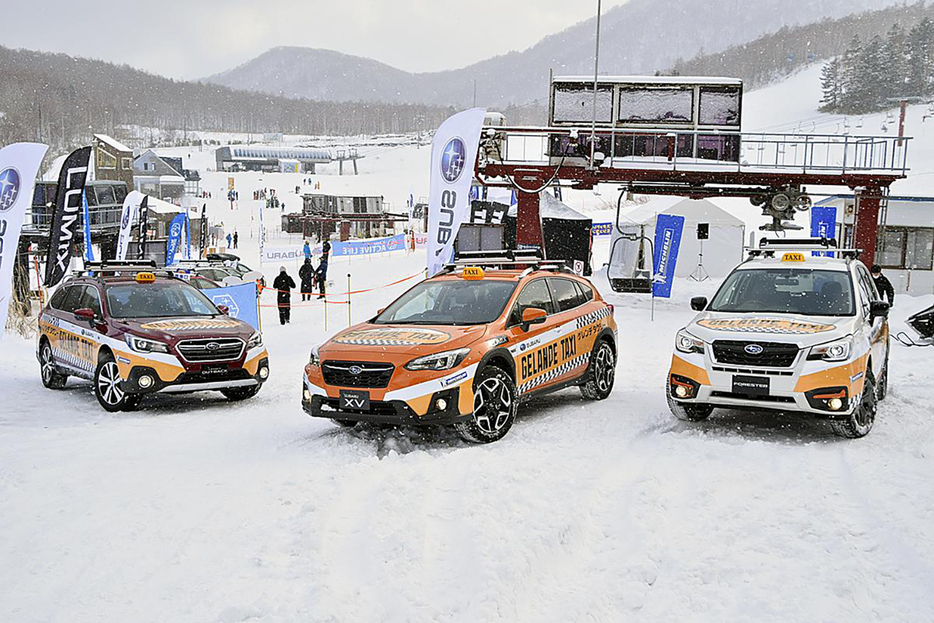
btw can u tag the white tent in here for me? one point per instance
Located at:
(722, 251)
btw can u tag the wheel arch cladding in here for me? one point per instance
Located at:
(501, 358)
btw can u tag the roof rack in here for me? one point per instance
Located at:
(800, 243)
(507, 258)
(114, 267)
(805, 245)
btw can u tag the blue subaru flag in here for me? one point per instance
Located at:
(88, 251)
(823, 224)
(241, 302)
(668, 230)
(187, 236)
(175, 236)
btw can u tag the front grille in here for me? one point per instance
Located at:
(773, 355)
(368, 374)
(211, 349)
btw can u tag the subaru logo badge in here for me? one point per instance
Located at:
(355, 370)
(754, 349)
(453, 159)
(212, 346)
(9, 188)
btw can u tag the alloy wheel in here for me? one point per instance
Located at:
(492, 406)
(108, 383)
(604, 368)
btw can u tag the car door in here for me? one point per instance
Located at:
(877, 328)
(574, 345)
(534, 349)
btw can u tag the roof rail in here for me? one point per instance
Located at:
(507, 258)
(800, 243)
(849, 254)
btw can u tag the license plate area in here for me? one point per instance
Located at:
(354, 400)
(215, 369)
(751, 385)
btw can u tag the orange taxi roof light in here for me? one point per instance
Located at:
(473, 273)
(145, 277)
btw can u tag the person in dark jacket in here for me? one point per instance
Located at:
(883, 285)
(321, 274)
(306, 275)
(283, 285)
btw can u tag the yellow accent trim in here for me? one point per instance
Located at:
(252, 365)
(420, 405)
(465, 397)
(682, 368)
(838, 376)
(167, 372)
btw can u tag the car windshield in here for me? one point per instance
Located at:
(786, 291)
(449, 303)
(156, 300)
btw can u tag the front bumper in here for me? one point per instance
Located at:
(805, 387)
(383, 412)
(206, 380)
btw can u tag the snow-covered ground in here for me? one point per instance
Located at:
(198, 510)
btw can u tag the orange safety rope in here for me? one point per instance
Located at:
(329, 294)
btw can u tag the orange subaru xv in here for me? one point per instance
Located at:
(465, 348)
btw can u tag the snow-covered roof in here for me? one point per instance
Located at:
(692, 80)
(112, 142)
(550, 207)
(693, 210)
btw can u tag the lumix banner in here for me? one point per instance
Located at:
(65, 218)
(19, 164)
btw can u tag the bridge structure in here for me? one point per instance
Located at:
(773, 170)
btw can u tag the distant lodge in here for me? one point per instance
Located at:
(285, 159)
(349, 216)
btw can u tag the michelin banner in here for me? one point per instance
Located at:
(601, 229)
(19, 165)
(823, 224)
(668, 230)
(453, 153)
(130, 207)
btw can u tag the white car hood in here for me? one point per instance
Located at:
(768, 327)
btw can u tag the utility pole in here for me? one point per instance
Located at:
(596, 70)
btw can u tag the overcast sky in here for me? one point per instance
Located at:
(196, 38)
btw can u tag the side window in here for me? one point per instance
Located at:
(535, 294)
(586, 292)
(72, 299)
(91, 300)
(566, 295)
(865, 291)
(58, 299)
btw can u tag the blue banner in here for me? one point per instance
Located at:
(668, 230)
(241, 301)
(175, 236)
(602, 229)
(187, 236)
(369, 246)
(823, 224)
(88, 251)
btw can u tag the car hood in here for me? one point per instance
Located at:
(386, 340)
(784, 328)
(174, 329)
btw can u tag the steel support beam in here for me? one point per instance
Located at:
(866, 230)
(528, 215)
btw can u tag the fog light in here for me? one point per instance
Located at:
(145, 381)
(264, 373)
(681, 391)
(441, 403)
(307, 395)
(835, 404)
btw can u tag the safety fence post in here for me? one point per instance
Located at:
(325, 314)
(349, 322)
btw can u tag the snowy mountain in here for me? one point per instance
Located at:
(639, 37)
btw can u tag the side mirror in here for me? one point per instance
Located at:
(85, 313)
(223, 309)
(699, 303)
(879, 309)
(532, 315)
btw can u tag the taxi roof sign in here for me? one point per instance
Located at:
(145, 277)
(793, 257)
(473, 273)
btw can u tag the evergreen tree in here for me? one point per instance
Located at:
(896, 63)
(830, 85)
(848, 76)
(920, 46)
(872, 77)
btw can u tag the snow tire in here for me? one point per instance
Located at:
(859, 423)
(495, 404)
(601, 373)
(51, 377)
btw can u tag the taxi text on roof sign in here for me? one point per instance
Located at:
(145, 278)
(473, 272)
(793, 257)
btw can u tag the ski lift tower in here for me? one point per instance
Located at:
(682, 136)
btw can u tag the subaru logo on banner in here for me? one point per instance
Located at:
(9, 188)
(452, 160)
(175, 237)
(668, 230)
(823, 224)
(241, 302)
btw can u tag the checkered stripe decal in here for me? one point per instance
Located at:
(65, 357)
(773, 330)
(551, 375)
(600, 314)
(378, 342)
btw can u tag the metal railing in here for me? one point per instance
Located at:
(39, 218)
(698, 150)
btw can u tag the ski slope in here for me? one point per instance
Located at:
(197, 510)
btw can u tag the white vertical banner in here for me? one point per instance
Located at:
(19, 165)
(130, 208)
(453, 153)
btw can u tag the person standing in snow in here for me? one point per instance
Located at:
(306, 251)
(228, 240)
(883, 285)
(321, 273)
(283, 285)
(306, 275)
(236, 239)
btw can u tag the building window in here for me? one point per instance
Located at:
(127, 164)
(907, 248)
(105, 160)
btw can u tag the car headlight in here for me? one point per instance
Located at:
(687, 343)
(142, 345)
(439, 361)
(313, 358)
(838, 350)
(256, 340)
